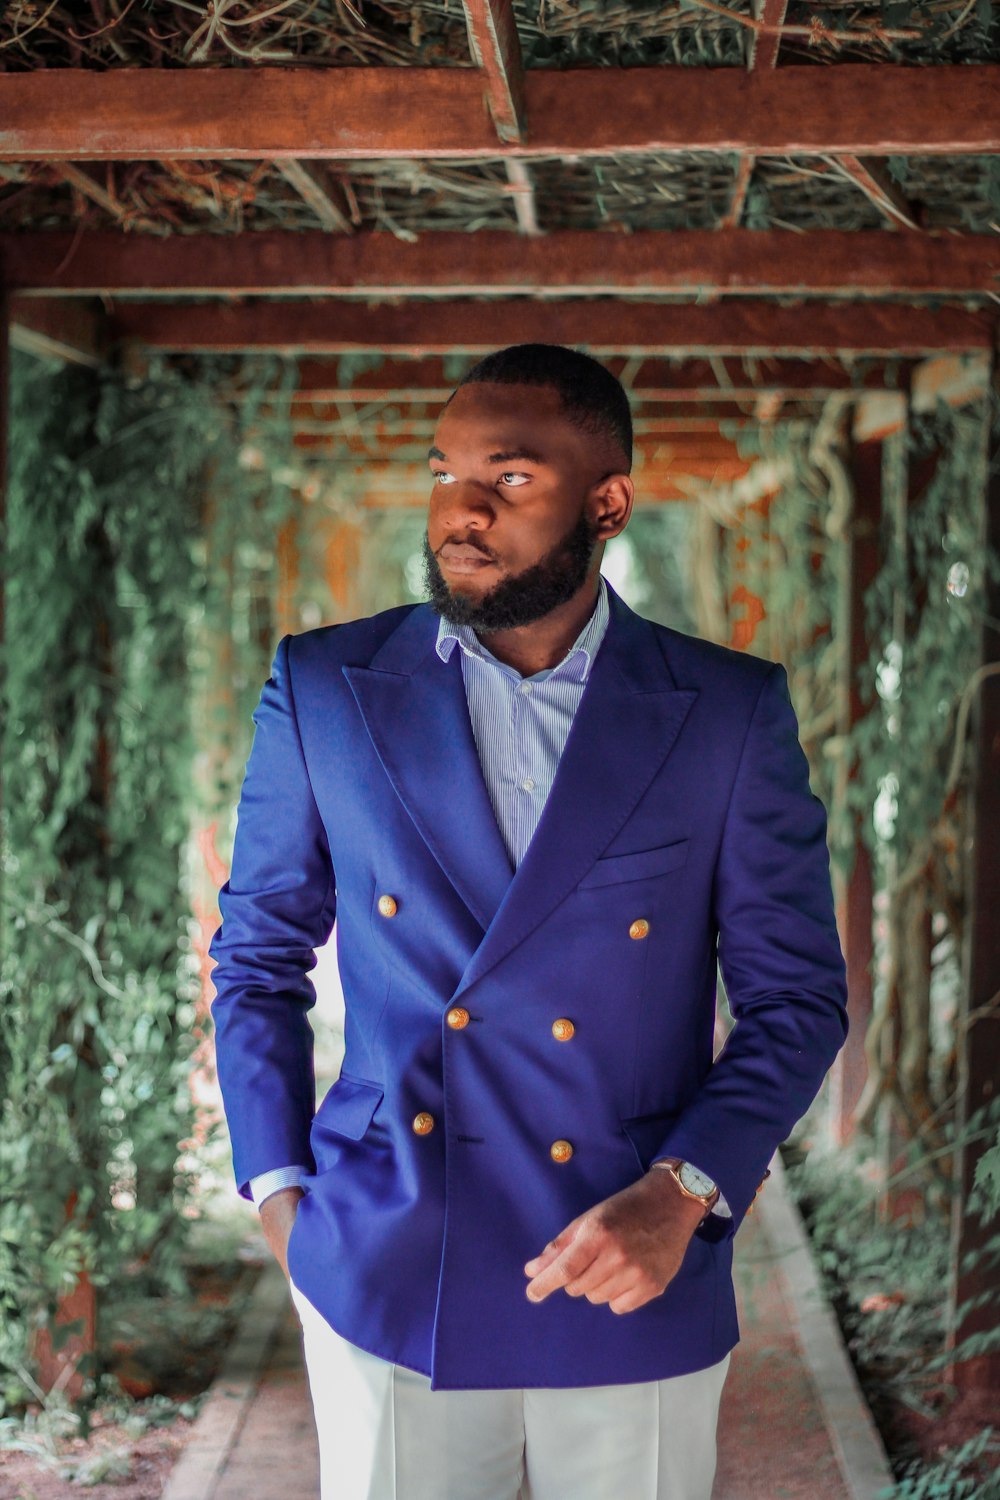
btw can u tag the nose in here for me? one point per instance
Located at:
(462, 505)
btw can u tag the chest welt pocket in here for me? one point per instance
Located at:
(615, 869)
(348, 1107)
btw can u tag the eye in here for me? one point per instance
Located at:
(513, 479)
(441, 476)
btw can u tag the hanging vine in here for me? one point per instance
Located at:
(119, 571)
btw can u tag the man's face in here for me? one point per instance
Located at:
(511, 529)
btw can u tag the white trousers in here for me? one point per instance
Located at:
(385, 1435)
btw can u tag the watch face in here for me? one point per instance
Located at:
(695, 1181)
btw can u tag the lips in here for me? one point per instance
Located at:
(462, 557)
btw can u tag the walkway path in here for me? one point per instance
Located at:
(793, 1425)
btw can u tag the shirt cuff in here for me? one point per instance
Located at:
(266, 1183)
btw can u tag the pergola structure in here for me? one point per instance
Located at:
(741, 207)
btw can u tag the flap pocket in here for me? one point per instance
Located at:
(615, 868)
(646, 1133)
(348, 1107)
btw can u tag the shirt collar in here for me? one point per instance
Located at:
(576, 663)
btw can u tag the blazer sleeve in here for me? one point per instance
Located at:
(781, 960)
(277, 906)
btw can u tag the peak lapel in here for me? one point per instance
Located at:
(629, 717)
(415, 709)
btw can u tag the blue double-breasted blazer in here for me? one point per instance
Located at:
(682, 798)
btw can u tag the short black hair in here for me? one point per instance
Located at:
(593, 399)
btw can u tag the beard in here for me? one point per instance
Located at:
(524, 597)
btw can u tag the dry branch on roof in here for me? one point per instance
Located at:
(553, 33)
(624, 192)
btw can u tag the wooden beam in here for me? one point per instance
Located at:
(737, 203)
(856, 894)
(766, 38)
(622, 327)
(399, 485)
(142, 114)
(647, 380)
(700, 450)
(569, 262)
(71, 331)
(496, 48)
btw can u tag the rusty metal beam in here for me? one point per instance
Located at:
(426, 327)
(570, 262)
(130, 114)
(496, 48)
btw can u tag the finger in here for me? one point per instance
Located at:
(605, 1268)
(634, 1297)
(614, 1286)
(548, 1255)
(553, 1248)
(572, 1262)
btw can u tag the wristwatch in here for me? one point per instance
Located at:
(692, 1183)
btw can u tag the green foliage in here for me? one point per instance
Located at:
(888, 1272)
(960, 1475)
(48, 1433)
(988, 1179)
(881, 1220)
(136, 535)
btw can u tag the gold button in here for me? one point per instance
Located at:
(639, 928)
(387, 906)
(423, 1123)
(560, 1151)
(457, 1018)
(563, 1029)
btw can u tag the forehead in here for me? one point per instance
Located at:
(482, 418)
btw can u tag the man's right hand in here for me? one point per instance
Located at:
(277, 1215)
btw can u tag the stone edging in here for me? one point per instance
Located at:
(853, 1434)
(220, 1421)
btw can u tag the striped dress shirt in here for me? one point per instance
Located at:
(520, 726)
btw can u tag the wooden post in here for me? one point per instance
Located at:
(979, 1045)
(855, 894)
(4, 418)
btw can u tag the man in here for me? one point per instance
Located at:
(540, 820)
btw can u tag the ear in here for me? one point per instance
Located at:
(610, 504)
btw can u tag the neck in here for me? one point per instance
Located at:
(545, 642)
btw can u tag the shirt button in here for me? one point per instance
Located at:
(525, 687)
(387, 906)
(457, 1018)
(639, 928)
(528, 784)
(423, 1123)
(563, 1029)
(561, 1151)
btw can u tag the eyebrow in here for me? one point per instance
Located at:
(502, 457)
